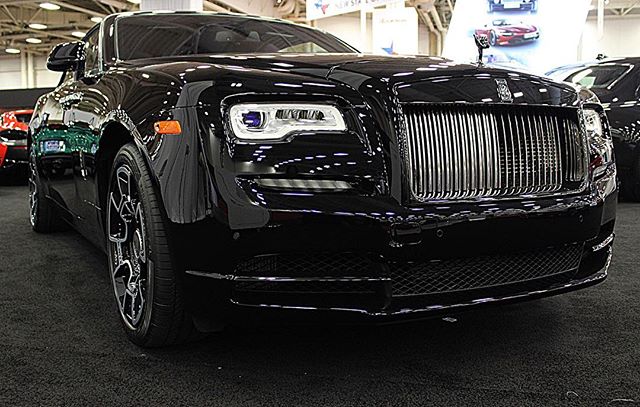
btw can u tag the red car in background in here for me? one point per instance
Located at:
(13, 141)
(17, 119)
(505, 32)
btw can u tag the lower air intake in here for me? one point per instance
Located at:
(437, 277)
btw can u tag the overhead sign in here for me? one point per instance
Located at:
(535, 35)
(395, 31)
(326, 8)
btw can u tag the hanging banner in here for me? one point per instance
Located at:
(395, 31)
(326, 8)
(534, 35)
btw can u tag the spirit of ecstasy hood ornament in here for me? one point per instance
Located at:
(482, 42)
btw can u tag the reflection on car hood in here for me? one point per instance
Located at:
(455, 80)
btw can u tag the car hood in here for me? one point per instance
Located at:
(409, 78)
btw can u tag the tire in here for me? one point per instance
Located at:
(42, 213)
(492, 38)
(148, 291)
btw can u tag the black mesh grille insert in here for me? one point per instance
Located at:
(312, 265)
(437, 277)
(308, 287)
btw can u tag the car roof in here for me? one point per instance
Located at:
(632, 60)
(21, 111)
(203, 13)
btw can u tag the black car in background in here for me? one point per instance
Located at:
(515, 5)
(616, 82)
(231, 163)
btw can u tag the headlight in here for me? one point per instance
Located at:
(274, 121)
(600, 144)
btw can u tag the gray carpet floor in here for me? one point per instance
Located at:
(61, 343)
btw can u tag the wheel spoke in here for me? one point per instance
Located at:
(123, 177)
(127, 246)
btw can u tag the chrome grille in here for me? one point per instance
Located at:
(462, 152)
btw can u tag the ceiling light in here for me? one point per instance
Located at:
(49, 6)
(12, 51)
(37, 26)
(96, 19)
(78, 34)
(34, 40)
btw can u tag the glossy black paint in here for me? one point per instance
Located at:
(206, 178)
(621, 101)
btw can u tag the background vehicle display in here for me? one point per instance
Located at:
(545, 38)
(510, 5)
(15, 156)
(505, 32)
(616, 82)
(15, 120)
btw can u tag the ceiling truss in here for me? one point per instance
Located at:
(75, 15)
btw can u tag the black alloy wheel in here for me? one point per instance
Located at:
(148, 292)
(128, 247)
(493, 38)
(42, 214)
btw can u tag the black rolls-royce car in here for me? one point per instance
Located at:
(230, 163)
(616, 82)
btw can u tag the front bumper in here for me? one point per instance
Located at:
(16, 156)
(341, 286)
(516, 39)
(320, 293)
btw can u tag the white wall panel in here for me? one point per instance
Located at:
(10, 77)
(347, 28)
(621, 38)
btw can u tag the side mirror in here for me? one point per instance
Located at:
(65, 56)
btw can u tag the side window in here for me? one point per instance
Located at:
(91, 54)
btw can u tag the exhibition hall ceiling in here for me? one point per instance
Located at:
(35, 26)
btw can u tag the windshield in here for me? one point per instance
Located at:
(502, 23)
(151, 36)
(23, 117)
(598, 77)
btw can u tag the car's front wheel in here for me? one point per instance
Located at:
(148, 293)
(493, 38)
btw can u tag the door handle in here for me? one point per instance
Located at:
(71, 99)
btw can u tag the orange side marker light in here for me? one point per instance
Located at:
(168, 127)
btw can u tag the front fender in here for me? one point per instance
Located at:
(178, 166)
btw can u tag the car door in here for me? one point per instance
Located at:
(84, 122)
(55, 144)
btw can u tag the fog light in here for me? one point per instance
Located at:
(304, 184)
